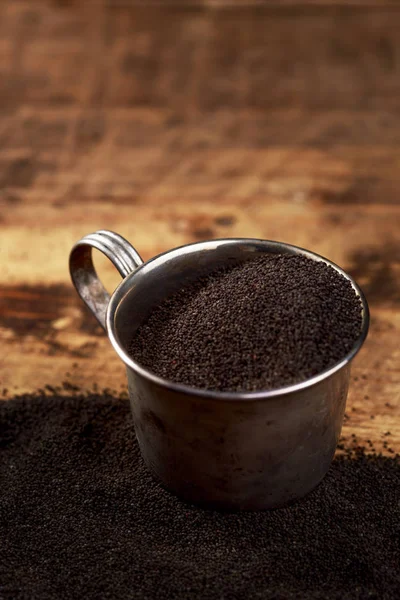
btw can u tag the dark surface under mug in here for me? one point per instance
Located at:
(228, 450)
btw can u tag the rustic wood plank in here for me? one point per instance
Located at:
(223, 4)
(279, 124)
(203, 60)
(43, 318)
(65, 156)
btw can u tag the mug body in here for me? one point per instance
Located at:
(238, 454)
(253, 450)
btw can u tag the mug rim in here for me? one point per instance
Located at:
(120, 291)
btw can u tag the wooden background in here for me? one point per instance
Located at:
(170, 122)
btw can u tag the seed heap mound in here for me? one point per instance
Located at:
(262, 324)
(81, 517)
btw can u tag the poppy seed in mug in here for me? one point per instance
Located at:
(269, 322)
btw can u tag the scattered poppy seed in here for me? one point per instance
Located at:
(69, 387)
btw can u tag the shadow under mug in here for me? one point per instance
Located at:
(227, 450)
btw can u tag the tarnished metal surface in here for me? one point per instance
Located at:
(84, 276)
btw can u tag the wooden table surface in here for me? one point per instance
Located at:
(183, 121)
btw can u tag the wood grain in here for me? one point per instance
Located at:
(176, 123)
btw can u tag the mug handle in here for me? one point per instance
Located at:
(83, 274)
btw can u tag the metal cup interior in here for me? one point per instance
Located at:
(151, 283)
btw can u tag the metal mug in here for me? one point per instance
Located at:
(228, 450)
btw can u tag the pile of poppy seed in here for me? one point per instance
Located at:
(80, 517)
(262, 324)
